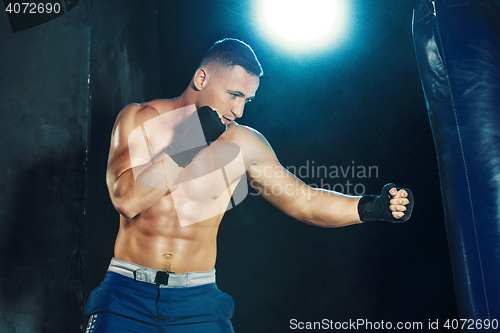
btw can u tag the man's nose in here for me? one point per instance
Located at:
(238, 110)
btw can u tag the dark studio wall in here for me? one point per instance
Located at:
(44, 96)
(63, 82)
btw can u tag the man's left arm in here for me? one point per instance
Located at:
(319, 206)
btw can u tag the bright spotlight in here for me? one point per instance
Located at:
(311, 24)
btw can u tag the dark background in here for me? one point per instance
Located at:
(63, 82)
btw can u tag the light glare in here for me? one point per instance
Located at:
(311, 23)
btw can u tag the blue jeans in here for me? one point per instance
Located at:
(122, 304)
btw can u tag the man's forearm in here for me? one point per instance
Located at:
(331, 209)
(135, 192)
(161, 174)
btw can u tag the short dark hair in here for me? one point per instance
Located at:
(230, 52)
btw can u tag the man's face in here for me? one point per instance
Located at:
(228, 90)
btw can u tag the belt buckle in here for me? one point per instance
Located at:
(161, 277)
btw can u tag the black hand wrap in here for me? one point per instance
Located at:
(187, 147)
(376, 208)
(211, 124)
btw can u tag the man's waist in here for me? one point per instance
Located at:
(163, 278)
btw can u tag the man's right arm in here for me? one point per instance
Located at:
(127, 196)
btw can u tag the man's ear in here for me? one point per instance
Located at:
(200, 78)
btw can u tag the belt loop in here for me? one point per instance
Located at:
(145, 275)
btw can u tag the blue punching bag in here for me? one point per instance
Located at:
(457, 43)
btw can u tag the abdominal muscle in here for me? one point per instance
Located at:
(155, 239)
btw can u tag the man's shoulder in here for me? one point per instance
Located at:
(252, 143)
(242, 133)
(139, 113)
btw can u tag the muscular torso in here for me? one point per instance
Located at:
(178, 233)
(155, 239)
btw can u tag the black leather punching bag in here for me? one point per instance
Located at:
(457, 43)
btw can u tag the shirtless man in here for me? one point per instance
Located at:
(162, 278)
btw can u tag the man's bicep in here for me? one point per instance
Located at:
(280, 187)
(118, 158)
(133, 139)
(128, 147)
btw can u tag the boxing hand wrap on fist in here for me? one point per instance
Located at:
(211, 124)
(376, 208)
(185, 147)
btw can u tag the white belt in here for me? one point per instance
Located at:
(163, 278)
